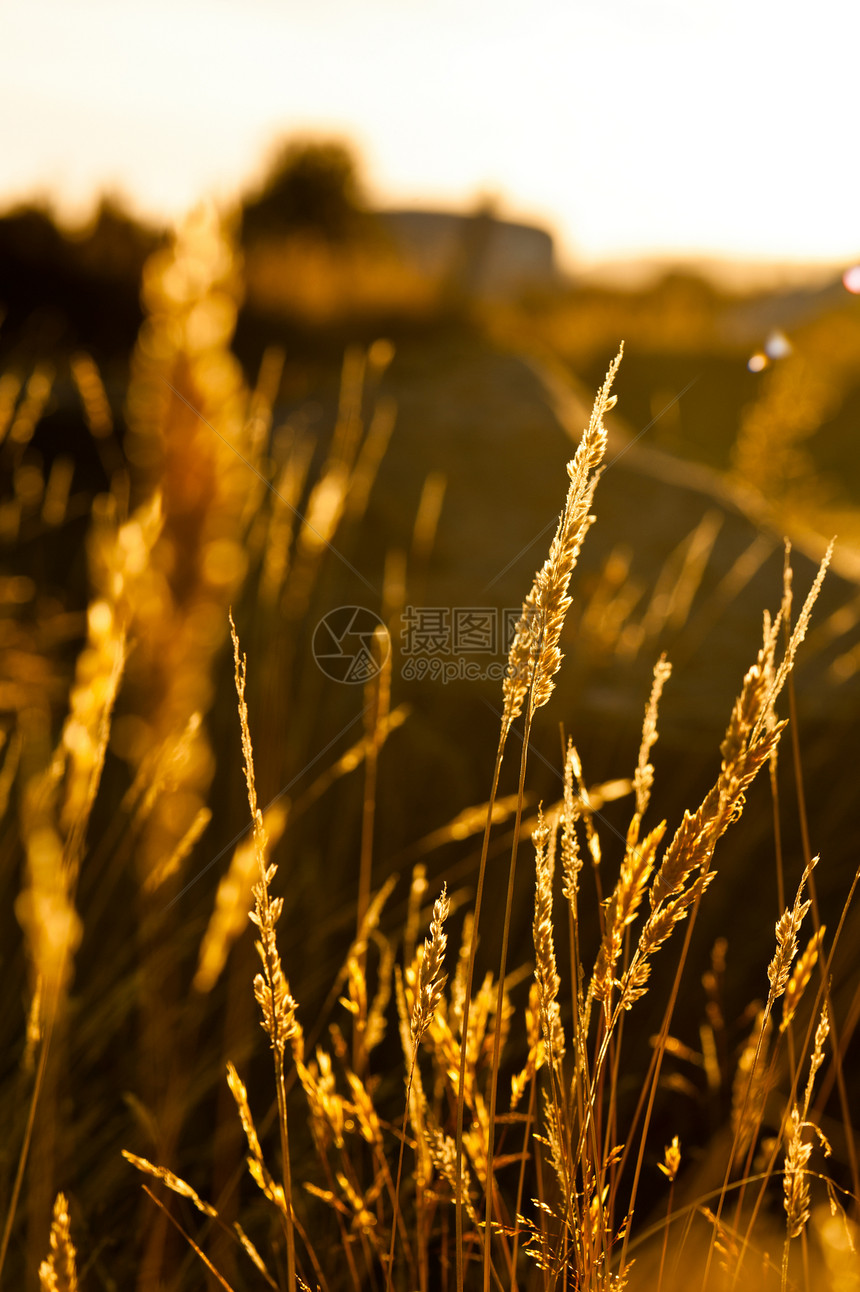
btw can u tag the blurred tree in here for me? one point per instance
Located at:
(113, 244)
(311, 188)
(71, 288)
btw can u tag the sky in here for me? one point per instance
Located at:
(667, 128)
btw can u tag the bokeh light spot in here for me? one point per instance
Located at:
(851, 280)
(777, 345)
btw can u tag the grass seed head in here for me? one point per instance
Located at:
(431, 979)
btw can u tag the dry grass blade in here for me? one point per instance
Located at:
(253, 1254)
(173, 1182)
(184, 845)
(190, 1241)
(240, 1094)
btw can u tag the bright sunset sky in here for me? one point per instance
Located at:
(658, 127)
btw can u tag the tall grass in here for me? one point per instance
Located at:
(426, 1127)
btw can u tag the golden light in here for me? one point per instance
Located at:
(620, 127)
(851, 280)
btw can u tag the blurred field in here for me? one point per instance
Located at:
(327, 427)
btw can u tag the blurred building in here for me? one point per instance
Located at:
(476, 252)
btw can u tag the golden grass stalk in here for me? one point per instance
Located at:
(458, 986)
(816, 1059)
(623, 908)
(536, 1050)
(257, 1168)
(10, 389)
(671, 1163)
(787, 929)
(546, 971)
(417, 1102)
(571, 861)
(57, 803)
(352, 759)
(443, 1154)
(235, 892)
(271, 989)
(29, 412)
(193, 432)
(533, 660)
(751, 737)
(327, 1108)
(120, 564)
(800, 976)
(534, 656)
(285, 500)
(97, 410)
(463, 1071)
(429, 988)
(571, 865)
(240, 1094)
(183, 847)
(9, 770)
(417, 890)
(468, 822)
(58, 1273)
(377, 1025)
(799, 1150)
(750, 1087)
(796, 1182)
(431, 979)
(643, 778)
(377, 701)
(752, 1082)
(252, 1253)
(45, 908)
(330, 497)
(172, 1182)
(747, 745)
(356, 949)
(198, 1251)
(782, 672)
(370, 457)
(427, 515)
